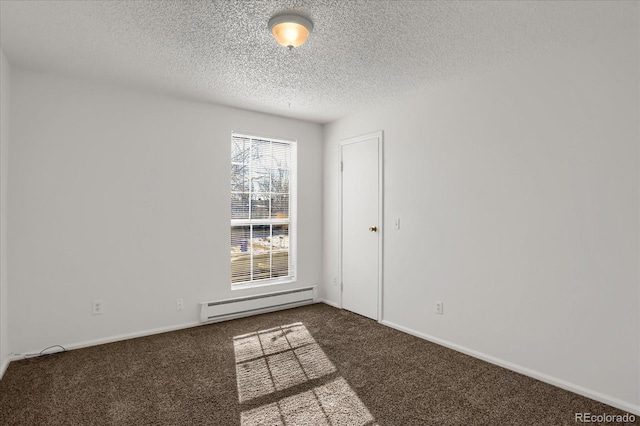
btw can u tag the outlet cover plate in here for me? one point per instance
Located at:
(97, 307)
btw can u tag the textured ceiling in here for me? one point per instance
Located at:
(360, 52)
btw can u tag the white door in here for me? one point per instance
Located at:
(361, 224)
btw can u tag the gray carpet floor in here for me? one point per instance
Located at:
(314, 365)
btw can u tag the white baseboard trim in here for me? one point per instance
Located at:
(143, 333)
(614, 402)
(3, 367)
(116, 338)
(329, 302)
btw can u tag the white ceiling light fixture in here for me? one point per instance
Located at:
(290, 30)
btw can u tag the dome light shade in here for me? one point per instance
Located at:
(290, 30)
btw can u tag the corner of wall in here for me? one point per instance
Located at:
(4, 146)
(328, 291)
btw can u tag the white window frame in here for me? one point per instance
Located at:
(290, 221)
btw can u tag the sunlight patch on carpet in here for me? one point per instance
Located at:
(277, 359)
(280, 358)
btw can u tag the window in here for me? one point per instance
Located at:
(263, 207)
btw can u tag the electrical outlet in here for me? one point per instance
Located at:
(179, 304)
(439, 308)
(97, 307)
(335, 281)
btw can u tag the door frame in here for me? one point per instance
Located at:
(380, 225)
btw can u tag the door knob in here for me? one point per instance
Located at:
(373, 228)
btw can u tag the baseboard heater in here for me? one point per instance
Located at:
(251, 305)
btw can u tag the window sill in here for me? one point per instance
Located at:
(266, 283)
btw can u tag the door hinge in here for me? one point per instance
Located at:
(341, 286)
(341, 166)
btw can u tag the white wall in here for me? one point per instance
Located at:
(4, 149)
(518, 196)
(124, 196)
